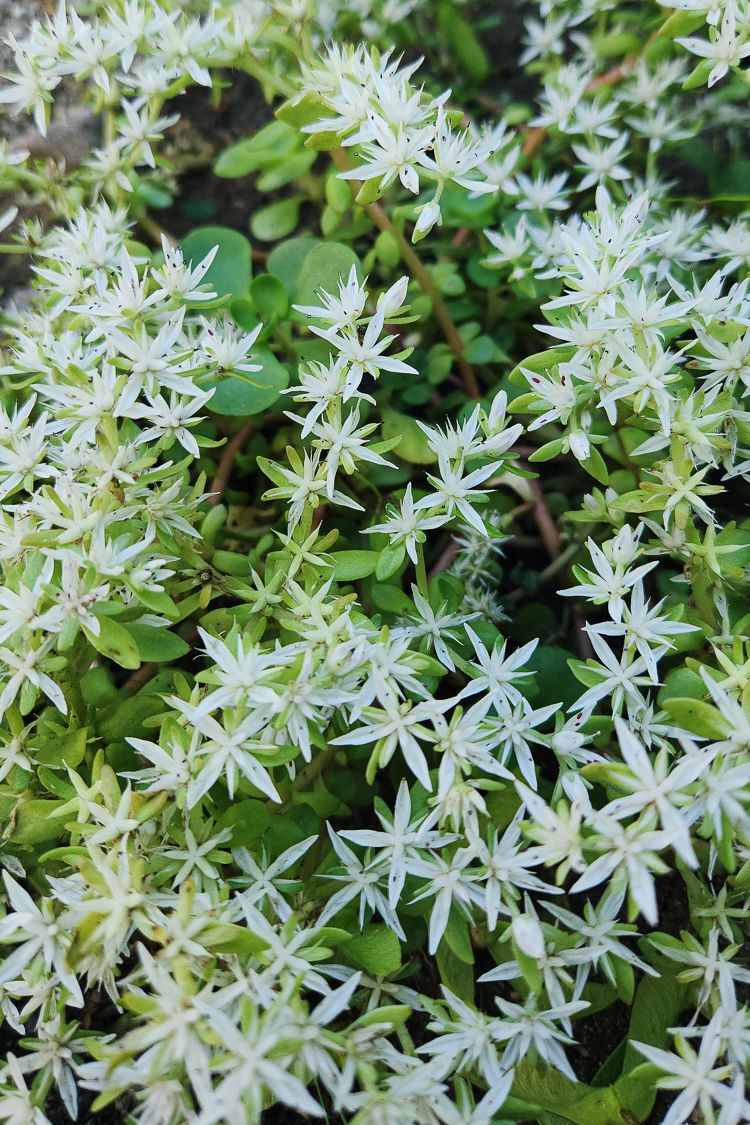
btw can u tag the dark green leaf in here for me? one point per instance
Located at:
(377, 950)
(275, 221)
(230, 272)
(116, 643)
(348, 566)
(249, 392)
(412, 446)
(157, 644)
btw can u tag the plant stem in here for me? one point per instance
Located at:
(545, 523)
(446, 557)
(421, 572)
(565, 557)
(422, 276)
(267, 78)
(224, 471)
(152, 228)
(306, 776)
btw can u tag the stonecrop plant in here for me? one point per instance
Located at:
(375, 596)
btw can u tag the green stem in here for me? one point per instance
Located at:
(267, 78)
(307, 776)
(422, 276)
(558, 564)
(421, 572)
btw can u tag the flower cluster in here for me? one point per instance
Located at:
(399, 133)
(359, 757)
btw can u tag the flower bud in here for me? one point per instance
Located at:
(429, 215)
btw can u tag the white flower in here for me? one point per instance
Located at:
(391, 154)
(407, 525)
(399, 840)
(39, 933)
(365, 355)
(229, 754)
(181, 280)
(698, 1076)
(497, 673)
(449, 880)
(263, 882)
(723, 47)
(362, 880)
(342, 310)
(456, 492)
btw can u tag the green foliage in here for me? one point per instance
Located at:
(375, 701)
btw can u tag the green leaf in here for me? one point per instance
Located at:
(302, 111)
(481, 350)
(461, 39)
(115, 642)
(55, 784)
(128, 717)
(323, 267)
(226, 937)
(377, 951)
(157, 644)
(457, 937)
(548, 451)
(681, 24)
(338, 194)
(456, 974)
(395, 1015)
(35, 823)
(289, 170)
(541, 362)
(594, 464)
(244, 313)
(230, 272)
(275, 221)
(544, 1086)
(657, 1005)
(448, 280)
(611, 1068)
(412, 446)
(699, 75)
(269, 298)
(553, 677)
(681, 683)
(305, 265)
(387, 249)
(348, 566)
(98, 687)
(529, 967)
(698, 717)
(157, 600)
(249, 155)
(231, 562)
(731, 181)
(369, 192)
(391, 599)
(247, 821)
(68, 749)
(285, 260)
(389, 560)
(249, 392)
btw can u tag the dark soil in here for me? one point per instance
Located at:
(596, 1038)
(204, 130)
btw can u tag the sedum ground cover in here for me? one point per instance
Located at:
(374, 619)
